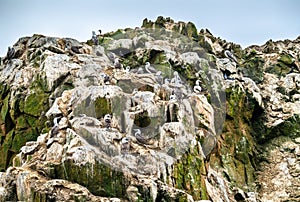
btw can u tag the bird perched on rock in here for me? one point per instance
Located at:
(293, 67)
(176, 79)
(10, 53)
(173, 97)
(127, 69)
(106, 78)
(125, 145)
(139, 137)
(230, 56)
(117, 63)
(197, 87)
(55, 128)
(107, 120)
(149, 69)
(159, 78)
(94, 38)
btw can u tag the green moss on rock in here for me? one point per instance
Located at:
(286, 59)
(100, 179)
(253, 67)
(235, 156)
(102, 107)
(36, 103)
(4, 150)
(21, 137)
(188, 174)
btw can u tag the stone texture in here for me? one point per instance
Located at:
(238, 140)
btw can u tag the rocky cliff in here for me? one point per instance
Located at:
(157, 113)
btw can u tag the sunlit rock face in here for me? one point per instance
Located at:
(86, 122)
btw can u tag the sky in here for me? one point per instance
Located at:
(245, 22)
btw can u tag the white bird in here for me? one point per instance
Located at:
(125, 145)
(176, 79)
(173, 97)
(197, 87)
(150, 69)
(159, 78)
(55, 128)
(107, 120)
(117, 63)
(127, 69)
(230, 56)
(167, 81)
(137, 71)
(138, 136)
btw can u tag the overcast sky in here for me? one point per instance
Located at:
(240, 21)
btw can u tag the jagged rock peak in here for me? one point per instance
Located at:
(188, 29)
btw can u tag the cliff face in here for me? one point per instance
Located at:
(167, 138)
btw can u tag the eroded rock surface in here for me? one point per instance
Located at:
(235, 140)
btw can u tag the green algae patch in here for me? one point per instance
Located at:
(99, 179)
(188, 174)
(35, 104)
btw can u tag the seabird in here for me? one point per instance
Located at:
(176, 79)
(125, 145)
(159, 77)
(137, 71)
(107, 120)
(139, 137)
(94, 38)
(293, 66)
(105, 77)
(10, 53)
(230, 56)
(150, 69)
(197, 87)
(127, 69)
(173, 97)
(117, 63)
(55, 128)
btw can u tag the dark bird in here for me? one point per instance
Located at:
(107, 120)
(105, 77)
(230, 56)
(10, 53)
(293, 67)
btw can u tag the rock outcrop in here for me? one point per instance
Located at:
(235, 140)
